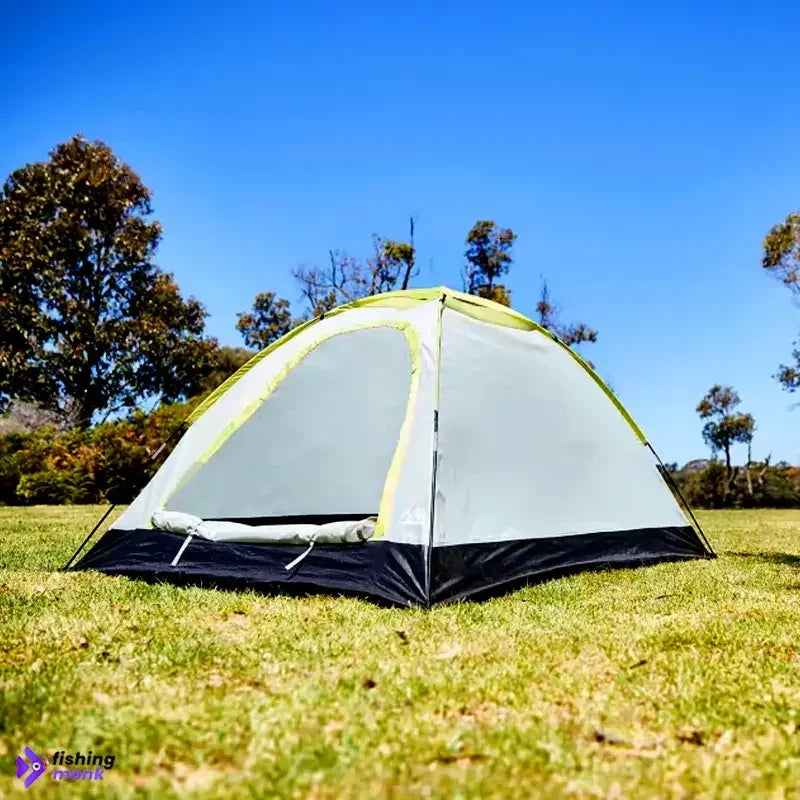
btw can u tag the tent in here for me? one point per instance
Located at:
(415, 447)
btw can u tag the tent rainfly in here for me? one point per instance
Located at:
(414, 447)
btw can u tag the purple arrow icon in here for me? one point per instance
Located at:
(36, 766)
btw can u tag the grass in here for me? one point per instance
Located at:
(680, 680)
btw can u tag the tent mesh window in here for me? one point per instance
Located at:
(319, 447)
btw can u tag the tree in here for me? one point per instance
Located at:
(399, 258)
(725, 427)
(407, 253)
(488, 257)
(25, 418)
(571, 335)
(270, 319)
(226, 361)
(345, 279)
(88, 323)
(782, 259)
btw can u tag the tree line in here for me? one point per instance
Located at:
(91, 326)
(92, 330)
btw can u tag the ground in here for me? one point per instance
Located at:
(680, 680)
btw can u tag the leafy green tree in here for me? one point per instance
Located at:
(398, 258)
(499, 293)
(782, 259)
(487, 258)
(270, 319)
(725, 427)
(345, 279)
(89, 325)
(571, 335)
(226, 361)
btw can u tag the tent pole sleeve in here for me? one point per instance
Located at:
(674, 486)
(435, 465)
(154, 457)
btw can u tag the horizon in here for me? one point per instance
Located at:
(641, 161)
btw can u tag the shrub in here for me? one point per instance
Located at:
(53, 487)
(706, 488)
(10, 471)
(768, 487)
(125, 449)
(110, 462)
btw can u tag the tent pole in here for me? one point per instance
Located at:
(434, 470)
(108, 511)
(91, 533)
(674, 486)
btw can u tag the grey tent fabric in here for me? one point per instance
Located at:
(322, 442)
(529, 447)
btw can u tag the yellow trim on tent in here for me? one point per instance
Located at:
(395, 467)
(393, 474)
(477, 307)
(243, 370)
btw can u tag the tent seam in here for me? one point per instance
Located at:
(435, 459)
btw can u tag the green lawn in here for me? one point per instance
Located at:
(681, 680)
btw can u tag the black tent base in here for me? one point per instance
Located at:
(383, 571)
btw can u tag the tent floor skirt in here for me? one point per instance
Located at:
(383, 571)
(477, 571)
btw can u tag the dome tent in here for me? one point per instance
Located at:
(414, 447)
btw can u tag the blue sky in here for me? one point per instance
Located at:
(640, 151)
